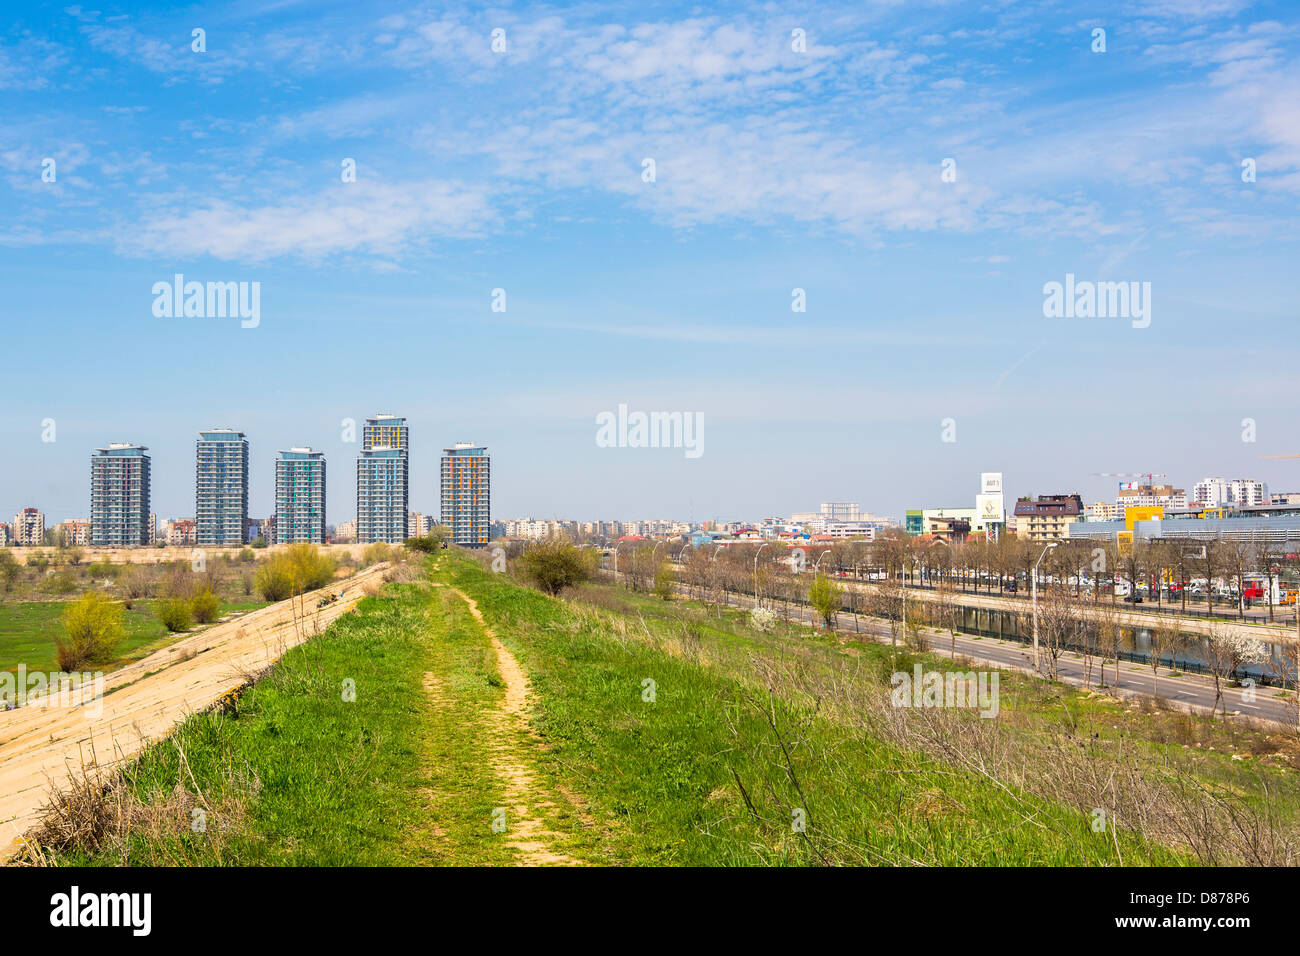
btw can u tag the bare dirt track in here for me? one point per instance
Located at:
(510, 736)
(41, 747)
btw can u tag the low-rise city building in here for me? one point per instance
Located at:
(29, 528)
(1047, 517)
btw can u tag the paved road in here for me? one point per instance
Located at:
(1191, 691)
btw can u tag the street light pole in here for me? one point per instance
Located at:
(1033, 589)
(819, 560)
(616, 547)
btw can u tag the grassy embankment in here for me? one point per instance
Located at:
(745, 736)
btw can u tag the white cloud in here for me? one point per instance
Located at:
(378, 218)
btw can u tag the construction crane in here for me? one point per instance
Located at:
(1279, 456)
(1148, 475)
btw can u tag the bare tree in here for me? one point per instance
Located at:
(1166, 633)
(1059, 627)
(1225, 652)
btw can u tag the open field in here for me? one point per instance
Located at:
(492, 724)
(166, 554)
(27, 632)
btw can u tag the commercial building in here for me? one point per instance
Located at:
(383, 480)
(29, 528)
(1273, 530)
(987, 518)
(299, 497)
(467, 493)
(119, 496)
(221, 488)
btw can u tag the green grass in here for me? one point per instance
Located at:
(717, 769)
(338, 783)
(668, 774)
(28, 631)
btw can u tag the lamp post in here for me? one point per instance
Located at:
(819, 560)
(756, 554)
(1033, 590)
(616, 547)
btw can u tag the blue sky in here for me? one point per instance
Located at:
(775, 169)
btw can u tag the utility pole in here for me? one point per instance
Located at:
(1033, 588)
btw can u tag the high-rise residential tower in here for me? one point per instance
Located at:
(383, 480)
(221, 488)
(119, 496)
(299, 497)
(467, 493)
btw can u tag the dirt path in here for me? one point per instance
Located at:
(42, 747)
(510, 734)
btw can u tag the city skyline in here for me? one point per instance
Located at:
(914, 180)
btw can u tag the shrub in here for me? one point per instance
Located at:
(825, 595)
(135, 582)
(64, 582)
(175, 614)
(273, 580)
(664, 580)
(93, 629)
(246, 556)
(379, 551)
(311, 567)
(205, 607)
(557, 564)
(762, 619)
(9, 569)
(179, 582)
(426, 545)
(104, 568)
(299, 568)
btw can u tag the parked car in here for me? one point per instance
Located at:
(1010, 586)
(1133, 599)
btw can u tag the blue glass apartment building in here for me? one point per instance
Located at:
(119, 496)
(300, 497)
(221, 488)
(383, 480)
